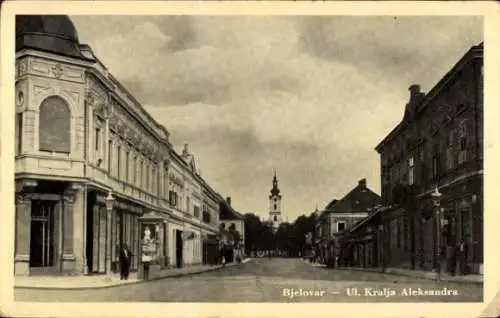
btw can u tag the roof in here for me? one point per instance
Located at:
(228, 213)
(359, 199)
(49, 33)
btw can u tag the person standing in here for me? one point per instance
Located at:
(222, 244)
(462, 256)
(125, 256)
(146, 261)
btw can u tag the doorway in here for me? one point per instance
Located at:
(178, 248)
(42, 239)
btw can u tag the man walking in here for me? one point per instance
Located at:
(124, 262)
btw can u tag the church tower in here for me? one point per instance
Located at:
(275, 217)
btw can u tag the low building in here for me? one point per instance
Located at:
(233, 219)
(340, 215)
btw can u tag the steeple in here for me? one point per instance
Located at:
(275, 191)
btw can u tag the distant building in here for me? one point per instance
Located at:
(275, 205)
(340, 215)
(230, 217)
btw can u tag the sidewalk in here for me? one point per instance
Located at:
(473, 278)
(100, 281)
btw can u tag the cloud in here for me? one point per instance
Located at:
(311, 96)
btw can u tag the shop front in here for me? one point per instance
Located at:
(46, 220)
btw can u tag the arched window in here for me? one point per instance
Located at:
(55, 125)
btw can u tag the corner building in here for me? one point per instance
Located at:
(80, 136)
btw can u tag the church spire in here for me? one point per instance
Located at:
(275, 190)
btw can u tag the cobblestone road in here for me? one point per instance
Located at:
(270, 280)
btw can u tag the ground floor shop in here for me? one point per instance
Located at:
(447, 236)
(69, 228)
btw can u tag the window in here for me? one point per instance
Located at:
(97, 138)
(19, 133)
(141, 173)
(275, 218)
(119, 160)
(196, 211)
(110, 149)
(127, 165)
(411, 166)
(463, 143)
(340, 226)
(449, 151)
(275, 207)
(147, 182)
(165, 182)
(435, 162)
(153, 187)
(134, 170)
(54, 125)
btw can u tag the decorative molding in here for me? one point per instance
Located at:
(69, 198)
(57, 70)
(25, 185)
(22, 198)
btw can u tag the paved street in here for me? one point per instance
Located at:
(270, 280)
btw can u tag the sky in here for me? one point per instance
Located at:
(309, 96)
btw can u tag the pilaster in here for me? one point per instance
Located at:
(72, 209)
(23, 233)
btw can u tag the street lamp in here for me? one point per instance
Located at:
(110, 200)
(436, 200)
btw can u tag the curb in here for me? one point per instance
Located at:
(405, 275)
(215, 268)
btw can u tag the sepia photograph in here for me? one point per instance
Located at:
(248, 158)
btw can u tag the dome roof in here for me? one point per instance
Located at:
(51, 33)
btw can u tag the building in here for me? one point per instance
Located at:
(275, 206)
(436, 148)
(340, 215)
(233, 219)
(93, 168)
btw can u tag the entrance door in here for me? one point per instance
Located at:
(178, 248)
(42, 256)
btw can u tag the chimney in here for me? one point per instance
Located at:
(362, 182)
(414, 92)
(228, 200)
(185, 151)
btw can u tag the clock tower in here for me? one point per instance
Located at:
(275, 218)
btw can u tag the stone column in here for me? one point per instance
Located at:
(23, 233)
(68, 255)
(109, 213)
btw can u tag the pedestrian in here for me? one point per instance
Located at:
(146, 260)
(125, 256)
(462, 256)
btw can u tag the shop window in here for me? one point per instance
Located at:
(54, 125)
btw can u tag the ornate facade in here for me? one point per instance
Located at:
(79, 137)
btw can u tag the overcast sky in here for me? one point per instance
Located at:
(311, 97)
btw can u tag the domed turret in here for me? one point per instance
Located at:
(50, 33)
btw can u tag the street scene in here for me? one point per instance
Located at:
(248, 159)
(271, 280)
